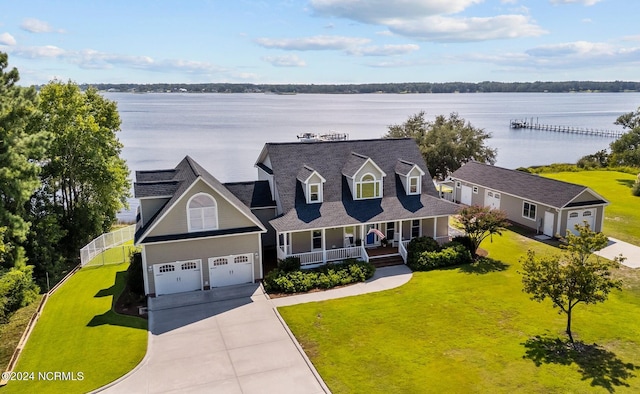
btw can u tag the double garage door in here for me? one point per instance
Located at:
(184, 276)
(579, 217)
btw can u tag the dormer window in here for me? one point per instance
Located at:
(315, 193)
(202, 213)
(414, 185)
(410, 176)
(312, 184)
(368, 187)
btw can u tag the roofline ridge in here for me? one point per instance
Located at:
(530, 174)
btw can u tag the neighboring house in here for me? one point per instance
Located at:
(319, 201)
(337, 199)
(195, 234)
(548, 206)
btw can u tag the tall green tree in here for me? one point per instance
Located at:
(575, 277)
(20, 147)
(84, 178)
(446, 143)
(625, 151)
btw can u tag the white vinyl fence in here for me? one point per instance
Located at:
(106, 241)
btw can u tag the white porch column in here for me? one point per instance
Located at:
(324, 246)
(285, 236)
(435, 227)
(400, 231)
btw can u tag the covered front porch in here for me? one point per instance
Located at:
(315, 247)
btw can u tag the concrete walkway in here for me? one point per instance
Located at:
(616, 248)
(232, 341)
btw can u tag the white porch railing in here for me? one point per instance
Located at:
(365, 255)
(344, 253)
(402, 248)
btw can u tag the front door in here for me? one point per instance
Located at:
(465, 195)
(549, 218)
(372, 237)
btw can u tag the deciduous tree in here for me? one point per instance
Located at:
(446, 143)
(625, 151)
(575, 277)
(84, 179)
(480, 223)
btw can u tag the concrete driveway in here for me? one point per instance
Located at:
(232, 340)
(615, 248)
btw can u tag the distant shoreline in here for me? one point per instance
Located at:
(377, 88)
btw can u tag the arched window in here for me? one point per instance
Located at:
(202, 213)
(368, 187)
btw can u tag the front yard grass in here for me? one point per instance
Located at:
(470, 329)
(79, 332)
(622, 217)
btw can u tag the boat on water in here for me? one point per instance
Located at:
(313, 137)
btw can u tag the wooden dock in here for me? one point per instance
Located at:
(526, 124)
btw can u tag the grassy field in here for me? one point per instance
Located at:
(622, 217)
(470, 329)
(11, 332)
(79, 332)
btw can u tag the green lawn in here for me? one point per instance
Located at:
(622, 217)
(470, 330)
(11, 332)
(79, 332)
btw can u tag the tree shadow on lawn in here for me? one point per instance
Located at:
(626, 182)
(484, 265)
(110, 317)
(603, 367)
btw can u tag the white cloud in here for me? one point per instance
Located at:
(312, 43)
(285, 61)
(445, 29)
(585, 2)
(33, 25)
(7, 39)
(376, 11)
(432, 20)
(577, 48)
(47, 51)
(383, 50)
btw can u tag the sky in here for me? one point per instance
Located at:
(321, 41)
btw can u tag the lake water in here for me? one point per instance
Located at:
(226, 132)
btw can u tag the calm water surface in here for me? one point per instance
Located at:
(226, 132)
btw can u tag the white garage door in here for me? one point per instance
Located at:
(492, 199)
(177, 277)
(579, 217)
(231, 270)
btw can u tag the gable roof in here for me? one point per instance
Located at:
(336, 160)
(183, 177)
(404, 167)
(306, 172)
(532, 187)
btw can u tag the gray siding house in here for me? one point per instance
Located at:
(545, 205)
(318, 201)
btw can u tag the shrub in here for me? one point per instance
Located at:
(289, 264)
(463, 240)
(324, 277)
(636, 187)
(418, 245)
(17, 290)
(135, 279)
(454, 254)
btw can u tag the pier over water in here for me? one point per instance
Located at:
(529, 124)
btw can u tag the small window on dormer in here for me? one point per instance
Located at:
(414, 185)
(315, 193)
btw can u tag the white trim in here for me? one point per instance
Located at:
(375, 182)
(382, 173)
(530, 205)
(186, 192)
(202, 210)
(312, 173)
(606, 202)
(254, 261)
(418, 185)
(321, 239)
(145, 274)
(153, 197)
(320, 193)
